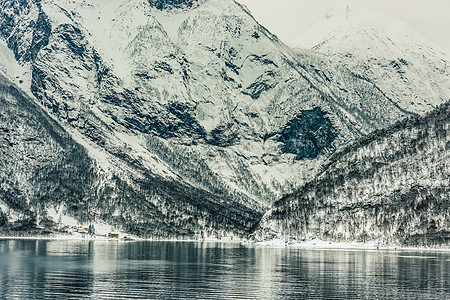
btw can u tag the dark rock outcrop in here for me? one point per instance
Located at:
(308, 135)
(174, 4)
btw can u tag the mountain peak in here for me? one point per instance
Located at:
(352, 20)
(335, 11)
(398, 59)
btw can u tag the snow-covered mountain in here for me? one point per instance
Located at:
(391, 188)
(47, 175)
(197, 93)
(409, 69)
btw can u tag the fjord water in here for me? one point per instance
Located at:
(35, 269)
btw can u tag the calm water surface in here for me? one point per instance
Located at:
(183, 270)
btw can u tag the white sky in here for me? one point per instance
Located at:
(289, 18)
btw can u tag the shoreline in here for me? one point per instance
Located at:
(315, 244)
(322, 245)
(101, 239)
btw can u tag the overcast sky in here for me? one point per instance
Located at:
(289, 18)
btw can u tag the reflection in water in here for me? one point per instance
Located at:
(180, 270)
(29, 269)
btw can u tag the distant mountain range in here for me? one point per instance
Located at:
(189, 117)
(409, 69)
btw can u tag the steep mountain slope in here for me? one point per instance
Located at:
(196, 88)
(392, 187)
(44, 170)
(409, 69)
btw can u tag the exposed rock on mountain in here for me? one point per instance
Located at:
(391, 187)
(308, 135)
(174, 4)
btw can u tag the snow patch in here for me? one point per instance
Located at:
(150, 160)
(96, 153)
(11, 69)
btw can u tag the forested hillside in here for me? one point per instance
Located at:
(392, 187)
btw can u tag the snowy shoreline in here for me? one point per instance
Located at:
(311, 245)
(319, 244)
(127, 239)
(55, 238)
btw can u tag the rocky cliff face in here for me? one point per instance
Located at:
(391, 187)
(206, 96)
